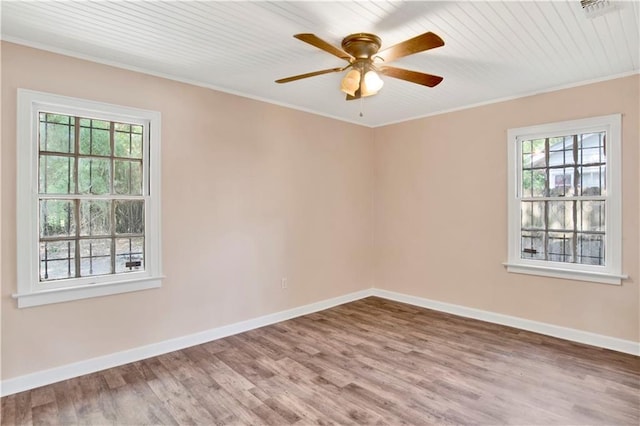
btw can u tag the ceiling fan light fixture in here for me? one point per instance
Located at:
(361, 50)
(351, 82)
(371, 83)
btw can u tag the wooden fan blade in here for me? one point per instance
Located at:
(412, 76)
(323, 45)
(417, 44)
(309, 74)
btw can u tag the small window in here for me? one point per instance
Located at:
(564, 200)
(88, 199)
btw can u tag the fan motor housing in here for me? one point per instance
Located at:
(361, 45)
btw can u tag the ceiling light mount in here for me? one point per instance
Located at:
(361, 45)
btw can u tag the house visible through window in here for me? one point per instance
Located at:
(564, 204)
(88, 202)
(563, 198)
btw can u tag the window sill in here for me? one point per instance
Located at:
(570, 274)
(67, 294)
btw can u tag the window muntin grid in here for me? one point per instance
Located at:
(563, 198)
(91, 204)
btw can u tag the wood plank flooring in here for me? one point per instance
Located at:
(372, 361)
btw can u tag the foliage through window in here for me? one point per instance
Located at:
(564, 204)
(91, 205)
(90, 197)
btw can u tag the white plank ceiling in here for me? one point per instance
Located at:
(493, 50)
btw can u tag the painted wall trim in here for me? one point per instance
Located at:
(572, 334)
(69, 371)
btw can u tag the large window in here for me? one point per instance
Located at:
(88, 199)
(564, 200)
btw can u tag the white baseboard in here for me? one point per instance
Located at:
(599, 340)
(57, 374)
(68, 371)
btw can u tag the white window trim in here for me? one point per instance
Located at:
(611, 272)
(30, 290)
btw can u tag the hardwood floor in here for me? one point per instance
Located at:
(372, 361)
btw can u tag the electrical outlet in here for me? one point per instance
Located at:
(283, 284)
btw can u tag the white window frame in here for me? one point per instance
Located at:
(31, 292)
(611, 271)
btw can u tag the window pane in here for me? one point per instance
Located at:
(129, 217)
(56, 175)
(57, 260)
(122, 127)
(560, 215)
(561, 184)
(532, 245)
(593, 180)
(591, 216)
(534, 150)
(57, 133)
(534, 183)
(590, 249)
(94, 176)
(590, 155)
(561, 151)
(57, 118)
(98, 124)
(128, 177)
(591, 148)
(95, 218)
(560, 247)
(136, 145)
(532, 214)
(57, 218)
(94, 142)
(129, 254)
(95, 257)
(129, 144)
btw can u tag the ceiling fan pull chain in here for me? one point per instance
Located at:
(361, 101)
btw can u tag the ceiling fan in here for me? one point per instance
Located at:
(361, 51)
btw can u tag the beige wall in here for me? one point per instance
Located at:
(252, 192)
(441, 204)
